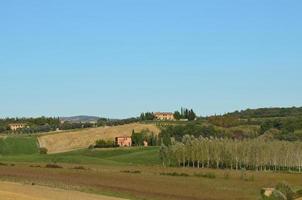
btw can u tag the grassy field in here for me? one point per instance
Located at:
(136, 173)
(18, 145)
(117, 156)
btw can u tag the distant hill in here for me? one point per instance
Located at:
(80, 118)
(267, 112)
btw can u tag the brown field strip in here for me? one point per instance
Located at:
(17, 191)
(149, 184)
(72, 140)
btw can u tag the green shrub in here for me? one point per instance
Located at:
(131, 172)
(174, 174)
(299, 193)
(79, 168)
(43, 150)
(104, 144)
(55, 166)
(37, 166)
(286, 190)
(277, 195)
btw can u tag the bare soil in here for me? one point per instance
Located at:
(18, 191)
(149, 183)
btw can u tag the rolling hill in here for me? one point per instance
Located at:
(78, 139)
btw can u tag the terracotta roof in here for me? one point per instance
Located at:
(13, 124)
(123, 136)
(163, 113)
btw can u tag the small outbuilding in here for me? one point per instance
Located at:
(123, 141)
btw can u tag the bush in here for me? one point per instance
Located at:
(43, 150)
(36, 166)
(132, 172)
(209, 175)
(286, 190)
(276, 195)
(104, 144)
(54, 166)
(79, 168)
(174, 174)
(299, 193)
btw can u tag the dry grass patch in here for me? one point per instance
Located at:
(67, 141)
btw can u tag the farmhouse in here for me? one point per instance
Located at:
(16, 126)
(123, 141)
(164, 116)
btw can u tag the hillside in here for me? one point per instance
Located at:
(267, 112)
(71, 140)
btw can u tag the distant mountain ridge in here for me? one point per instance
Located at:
(80, 118)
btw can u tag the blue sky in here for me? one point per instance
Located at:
(118, 58)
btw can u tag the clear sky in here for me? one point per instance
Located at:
(117, 58)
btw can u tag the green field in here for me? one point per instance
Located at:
(18, 145)
(134, 173)
(117, 156)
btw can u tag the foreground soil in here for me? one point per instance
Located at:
(17, 191)
(151, 183)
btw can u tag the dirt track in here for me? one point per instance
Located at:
(67, 141)
(16, 191)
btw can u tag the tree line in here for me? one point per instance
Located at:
(251, 154)
(40, 124)
(267, 112)
(186, 114)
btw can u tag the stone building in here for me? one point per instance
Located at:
(16, 126)
(123, 141)
(164, 116)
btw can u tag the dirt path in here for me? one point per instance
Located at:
(17, 191)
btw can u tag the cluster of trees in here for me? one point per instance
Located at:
(147, 116)
(138, 138)
(185, 113)
(179, 131)
(74, 125)
(116, 122)
(39, 124)
(287, 128)
(229, 121)
(251, 154)
(287, 124)
(267, 112)
(195, 129)
(104, 144)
